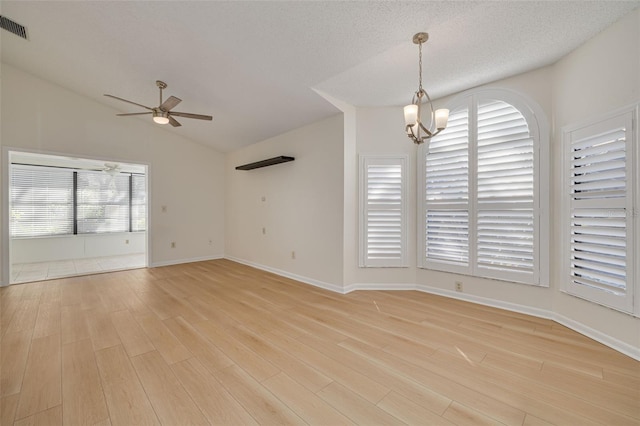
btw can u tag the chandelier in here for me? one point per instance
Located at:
(414, 126)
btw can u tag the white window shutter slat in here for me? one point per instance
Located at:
(383, 207)
(599, 246)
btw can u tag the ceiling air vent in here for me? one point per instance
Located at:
(14, 27)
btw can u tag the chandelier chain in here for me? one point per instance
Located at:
(420, 67)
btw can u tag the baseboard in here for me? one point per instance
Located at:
(306, 280)
(507, 306)
(620, 346)
(180, 261)
(378, 286)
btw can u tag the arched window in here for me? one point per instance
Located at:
(483, 191)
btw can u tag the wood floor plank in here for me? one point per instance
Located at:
(462, 415)
(215, 402)
(303, 402)
(357, 382)
(410, 412)
(24, 317)
(263, 406)
(169, 399)
(408, 388)
(73, 324)
(8, 407)
(168, 345)
(531, 420)
(358, 409)
(81, 385)
(48, 320)
(545, 402)
(42, 383)
(302, 372)
(126, 399)
(207, 353)
(13, 355)
(49, 417)
(258, 367)
(134, 340)
(101, 329)
(488, 405)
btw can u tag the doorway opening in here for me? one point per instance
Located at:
(74, 216)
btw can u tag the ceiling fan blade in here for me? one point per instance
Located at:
(135, 113)
(174, 122)
(129, 102)
(170, 103)
(188, 115)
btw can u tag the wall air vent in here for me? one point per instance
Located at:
(265, 163)
(14, 27)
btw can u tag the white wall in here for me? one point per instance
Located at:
(599, 77)
(377, 133)
(303, 207)
(186, 177)
(67, 247)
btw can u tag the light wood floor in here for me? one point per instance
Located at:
(221, 343)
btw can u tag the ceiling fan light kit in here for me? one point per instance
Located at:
(414, 124)
(160, 117)
(163, 113)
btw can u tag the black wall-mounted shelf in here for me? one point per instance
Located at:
(265, 163)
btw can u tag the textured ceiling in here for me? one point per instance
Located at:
(254, 65)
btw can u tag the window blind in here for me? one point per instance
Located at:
(41, 201)
(138, 203)
(103, 202)
(384, 205)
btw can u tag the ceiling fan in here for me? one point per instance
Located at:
(110, 168)
(162, 114)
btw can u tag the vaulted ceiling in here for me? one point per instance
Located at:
(257, 67)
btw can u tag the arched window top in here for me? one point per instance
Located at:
(531, 111)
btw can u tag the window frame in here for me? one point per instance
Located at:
(539, 130)
(378, 159)
(630, 303)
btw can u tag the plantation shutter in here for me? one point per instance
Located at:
(41, 201)
(102, 203)
(505, 192)
(447, 193)
(600, 223)
(383, 202)
(482, 204)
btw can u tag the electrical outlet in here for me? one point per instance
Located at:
(293, 254)
(173, 244)
(126, 241)
(458, 285)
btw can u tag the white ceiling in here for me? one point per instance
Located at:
(254, 65)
